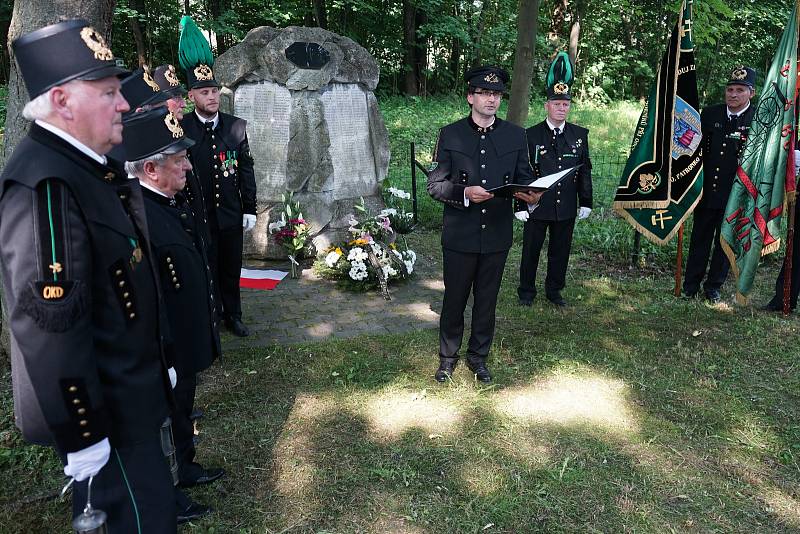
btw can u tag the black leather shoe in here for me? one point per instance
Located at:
(713, 296)
(445, 371)
(690, 296)
(194, 511)
(557, 300)
(202, 476)
(773, 306)
(525, 302)
(197, 413)
(481, 372)
(237, 327)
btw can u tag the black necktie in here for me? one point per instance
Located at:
(734, 122)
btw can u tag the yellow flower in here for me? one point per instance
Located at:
(392, 246)
(339, 251)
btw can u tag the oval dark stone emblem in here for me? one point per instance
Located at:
(308, 55)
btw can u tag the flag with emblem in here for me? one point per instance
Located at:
(663, 177)
(752, 221)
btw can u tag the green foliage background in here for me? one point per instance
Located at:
(620, 45)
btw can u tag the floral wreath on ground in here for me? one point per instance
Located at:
(349, 262)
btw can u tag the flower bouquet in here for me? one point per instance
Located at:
(291, 232)
(402, 221)
(372, 257)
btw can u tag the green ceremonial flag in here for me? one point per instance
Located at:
(752, 220)
(663, 178)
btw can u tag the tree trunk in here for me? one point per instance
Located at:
(320, 13)
(138, 34)
(574, 38)
(527, 22)
(29, 15)
(455, 55)
(410, 80)
(420, 51)
(217, 8)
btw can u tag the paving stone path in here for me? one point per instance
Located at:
(313, 309)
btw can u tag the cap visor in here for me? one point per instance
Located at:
(181, 144)
(104, 72)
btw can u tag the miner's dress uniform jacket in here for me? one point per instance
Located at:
(82, 299)
(558, 206)
(179, 252)
(550, 154)
(723, 144)
(224, 168)
(475, 238)
(467, 156)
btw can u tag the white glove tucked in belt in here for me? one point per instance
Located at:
(584, 212)
(523, 215)
(248, 221)
(87, 462)
(173, 377)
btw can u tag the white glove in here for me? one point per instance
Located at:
(173, 377)
(87, 462)
(522, 215)
(584, 212)
(248, 221)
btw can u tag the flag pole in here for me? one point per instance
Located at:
(679, 262)
(791, 200)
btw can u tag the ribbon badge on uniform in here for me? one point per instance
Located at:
(228, 162)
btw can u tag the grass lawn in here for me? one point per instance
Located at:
(631, 411)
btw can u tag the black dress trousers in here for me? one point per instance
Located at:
(557, 256)
(134, 489)
(465, 273)
(705, 232)
(777, 299)
(225, 260)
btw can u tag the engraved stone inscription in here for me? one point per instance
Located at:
(266, 106)
(351, 148)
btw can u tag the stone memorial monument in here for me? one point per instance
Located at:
(313, 124)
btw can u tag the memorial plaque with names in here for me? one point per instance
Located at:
(311, 56)
(351, 147)
(266, 106)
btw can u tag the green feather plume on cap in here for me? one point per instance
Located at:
(193, 48)
(560, 70)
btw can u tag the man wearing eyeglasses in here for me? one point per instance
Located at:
(472, 155)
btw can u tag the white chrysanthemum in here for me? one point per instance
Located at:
(332, 258)
(354, 254)
(409, 266)
(388, 211)
(410, 256)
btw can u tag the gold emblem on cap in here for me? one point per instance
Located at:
(203, 73)
(96, 44)
(148, 79)
(171, 76)
(491, 78)
(739, 73)
(561, 88)
(173, 125)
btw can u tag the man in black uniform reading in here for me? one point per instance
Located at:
(472, 155)
(725, 127)
(88, 368)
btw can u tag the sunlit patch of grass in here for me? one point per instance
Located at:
(587, 400)
(393, 413)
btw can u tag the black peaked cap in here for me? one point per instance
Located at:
(153, 132)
